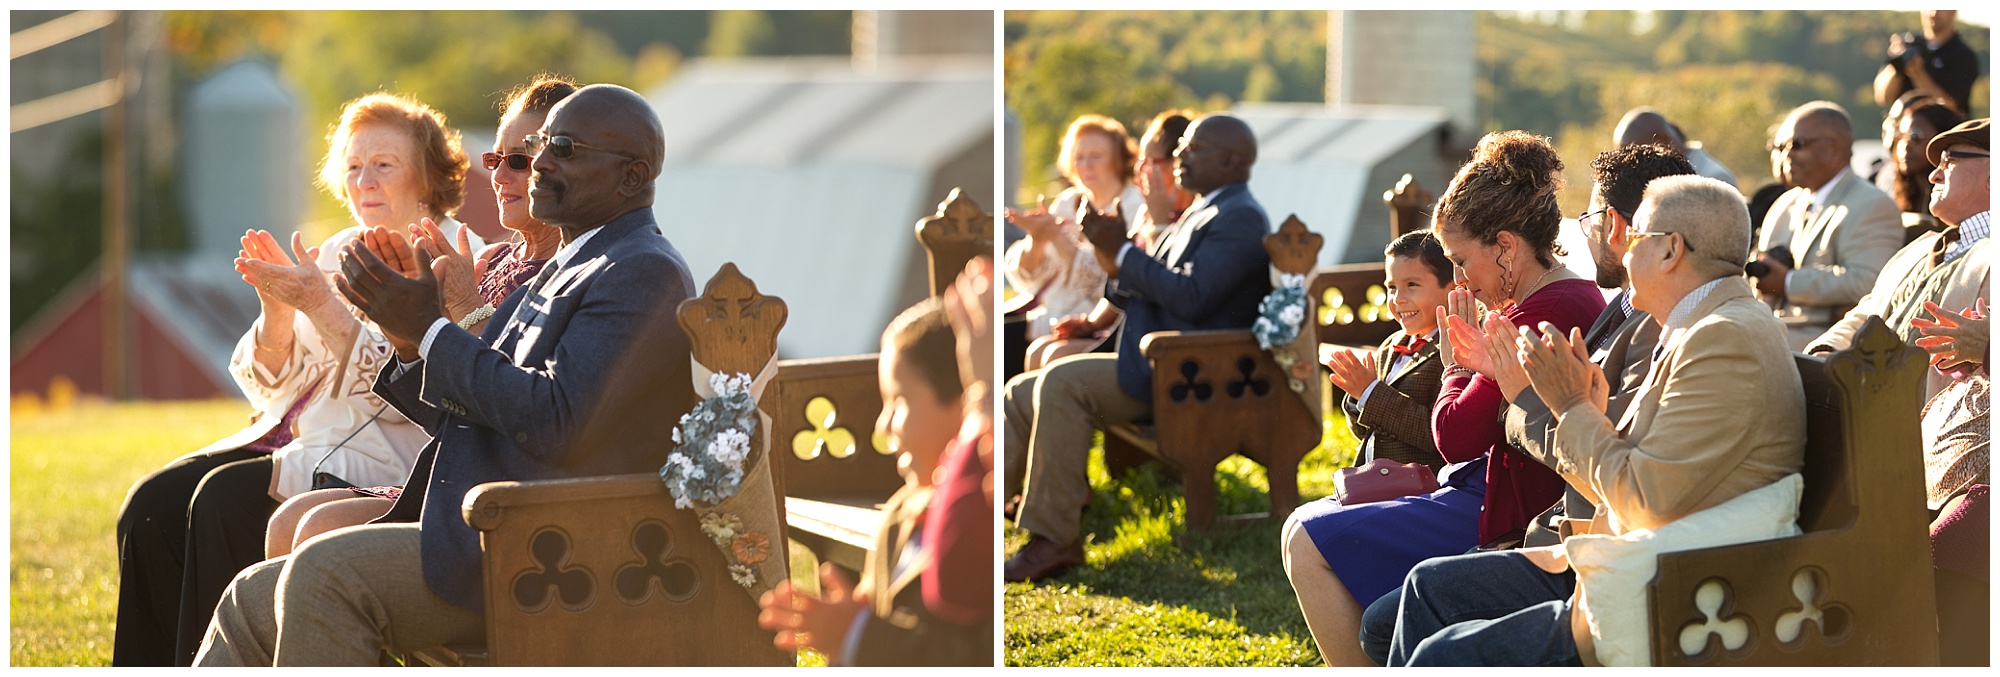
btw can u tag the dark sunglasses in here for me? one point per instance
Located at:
(516, 161)
(562, 146)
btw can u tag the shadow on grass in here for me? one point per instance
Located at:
(1153, 594)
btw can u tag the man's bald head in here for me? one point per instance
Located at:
(1234, 135)
(1645, 125)
(1217, 151)
(1812, 145)
(627, 119)
(613, 157)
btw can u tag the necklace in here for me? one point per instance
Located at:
(1538, 281)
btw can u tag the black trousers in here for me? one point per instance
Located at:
(183, 534)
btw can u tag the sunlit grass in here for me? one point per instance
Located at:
(1143, 600)
(70, 468)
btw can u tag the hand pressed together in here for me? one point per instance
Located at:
(281, 282)
(404, 307)
(1561, 371)
(1352, 372)
(1954, 338)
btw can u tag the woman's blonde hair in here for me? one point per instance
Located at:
(440, 160)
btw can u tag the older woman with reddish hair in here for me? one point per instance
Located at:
(473, 285)
(1099, 159)
(307, 364)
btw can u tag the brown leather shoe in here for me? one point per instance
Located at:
(1042, 559)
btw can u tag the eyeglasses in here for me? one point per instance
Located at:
(1950, 158)
(1791, 144)
(1584, 218)
(562, 146)
(516, 161)
(1632, 239)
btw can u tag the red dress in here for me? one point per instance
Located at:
(1467, 420)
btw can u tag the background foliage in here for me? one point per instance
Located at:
(1725, 77)
(458, 62)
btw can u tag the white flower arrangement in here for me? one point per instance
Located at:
(1281, 313)
(713, 445)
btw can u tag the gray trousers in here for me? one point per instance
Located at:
(1050, 414)
(339, 600)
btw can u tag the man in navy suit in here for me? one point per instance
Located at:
(525, 402)
(1208, 272)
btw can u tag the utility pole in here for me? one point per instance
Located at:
(117, 189)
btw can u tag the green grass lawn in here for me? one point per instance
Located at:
(70, 471)
(1143, 600)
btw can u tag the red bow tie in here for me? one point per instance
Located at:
(1411, 345)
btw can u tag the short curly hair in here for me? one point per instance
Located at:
(1121, 143)
(440, 160)
(1622, 173)
(1510, 185)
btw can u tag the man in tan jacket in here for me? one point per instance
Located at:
(1838, 228)
(1721, 413)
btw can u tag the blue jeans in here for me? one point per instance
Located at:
(1487, 608)
(1378, 626)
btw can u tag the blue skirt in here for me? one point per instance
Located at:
(1373, 546)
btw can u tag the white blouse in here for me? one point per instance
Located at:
(1073, 286)
(338, 416)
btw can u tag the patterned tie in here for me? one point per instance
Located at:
(509, 333)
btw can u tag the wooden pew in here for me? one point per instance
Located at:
(605, 570)
(1216, 394)
(1861, 570)
(824, 410)
(1351, 313)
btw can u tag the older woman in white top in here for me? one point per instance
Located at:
(308, 366)
(1053, 262)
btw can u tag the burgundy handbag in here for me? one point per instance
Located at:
(1381, 480)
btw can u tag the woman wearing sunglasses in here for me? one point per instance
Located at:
(308, 365)
(473, 286)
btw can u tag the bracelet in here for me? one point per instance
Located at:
(475, 317)
(1455, 368)
(260, 344)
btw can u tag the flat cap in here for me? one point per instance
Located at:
(1967, 133)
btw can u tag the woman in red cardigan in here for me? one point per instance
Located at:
(1498, 222)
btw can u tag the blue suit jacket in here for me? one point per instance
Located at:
(1209, 272)
(513, 405)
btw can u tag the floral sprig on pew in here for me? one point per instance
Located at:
(1280, 313)
(713, 451)
(714, 444)
(1281, 317)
